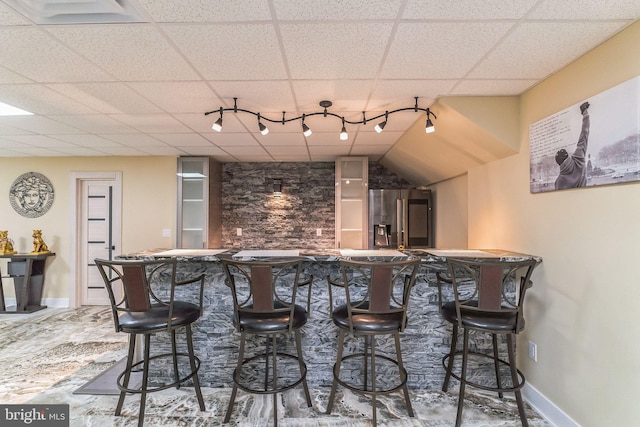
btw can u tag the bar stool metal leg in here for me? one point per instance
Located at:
(463, 375)
(452, 352)
(515, 380)
(336, 371)
(403, 375)
(496, 363)
(192, 363)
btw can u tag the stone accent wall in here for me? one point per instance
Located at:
(291, 221)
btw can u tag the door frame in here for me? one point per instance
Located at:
(77, 178)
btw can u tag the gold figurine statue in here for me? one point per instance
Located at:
(6, 244)
(39, 246)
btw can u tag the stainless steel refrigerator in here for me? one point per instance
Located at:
(400, 218)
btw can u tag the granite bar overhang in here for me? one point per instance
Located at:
(424, 342)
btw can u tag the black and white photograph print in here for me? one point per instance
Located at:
(594, 142)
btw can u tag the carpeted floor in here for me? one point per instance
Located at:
(46, 356)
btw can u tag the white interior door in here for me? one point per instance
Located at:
(99, 233)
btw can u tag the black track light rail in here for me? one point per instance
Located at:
(325, 113)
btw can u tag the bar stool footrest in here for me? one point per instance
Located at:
(403, 375)
(286, 387)
(514, 388)
(120, 379)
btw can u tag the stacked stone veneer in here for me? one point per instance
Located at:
(290, 221)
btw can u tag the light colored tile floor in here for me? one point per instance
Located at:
(46, 356)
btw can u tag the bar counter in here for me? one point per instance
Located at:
(424, 342)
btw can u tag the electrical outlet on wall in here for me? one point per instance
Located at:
(318, 231)
(238, 231)
(533, 351)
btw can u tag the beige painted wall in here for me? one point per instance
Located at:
(148, 207)
(582, 308)
(451, 213)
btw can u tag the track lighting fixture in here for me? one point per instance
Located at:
(217, 126)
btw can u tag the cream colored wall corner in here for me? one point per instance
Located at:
(581, 311)
(148, 207)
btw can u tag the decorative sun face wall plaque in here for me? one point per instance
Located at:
(31, 195)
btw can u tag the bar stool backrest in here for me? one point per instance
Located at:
(378, 287)
(492, 287)
(262, 287)
(128, 284)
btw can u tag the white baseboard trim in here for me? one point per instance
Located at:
(49, 302)
(546, 408)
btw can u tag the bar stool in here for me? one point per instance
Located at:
(139, 310)
(377, 297)
(488, 298)
(264, 302)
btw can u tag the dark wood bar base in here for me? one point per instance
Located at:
(28, 273)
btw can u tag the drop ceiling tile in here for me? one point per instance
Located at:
(151, 123)
(10, 17)
(9, 143)
(39, 125)
(208, 150)
(328, 139)
(38, 152)
(90, 141)
(286, 158)
(227, 139)
(467, 9)
(93, 123)
(39, 99)
(492, 87)
(329, 150)
(346, 95)
(238, 151)
(41, 141)
(130, 52)
(287, 150)
(122, 151)
(206, 10)
(79, 151)
(324, 157)
(369, 150)
(405, 91)
(12, 153)
(583, 9)
(34, 54)
(536, 49)
(265, 96)
(161, 151)
(182, 139)
(373, 139)
(7, 76)
(456, 47)
(281, 139)
(231, 52)
(107, 97)
(312, 10)
(134, 140)
(5, 129)
(177, 97)
(318, 51)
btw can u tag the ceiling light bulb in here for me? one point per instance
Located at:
(217, 126)
(430, 128)
(380, 126)
(263, 129)
(343, 134)
(305, 130)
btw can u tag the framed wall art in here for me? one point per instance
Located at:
(594, 142)
(31, 195)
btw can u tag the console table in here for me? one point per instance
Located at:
(27, 272)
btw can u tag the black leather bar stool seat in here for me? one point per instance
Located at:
(488, 297)
(138, 308)
(264, 300)
(377, 298)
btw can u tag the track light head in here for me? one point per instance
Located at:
(429, 128)
(382, 124)
(263, 129)
(217, 126)
(305, 129)
(343, 133)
